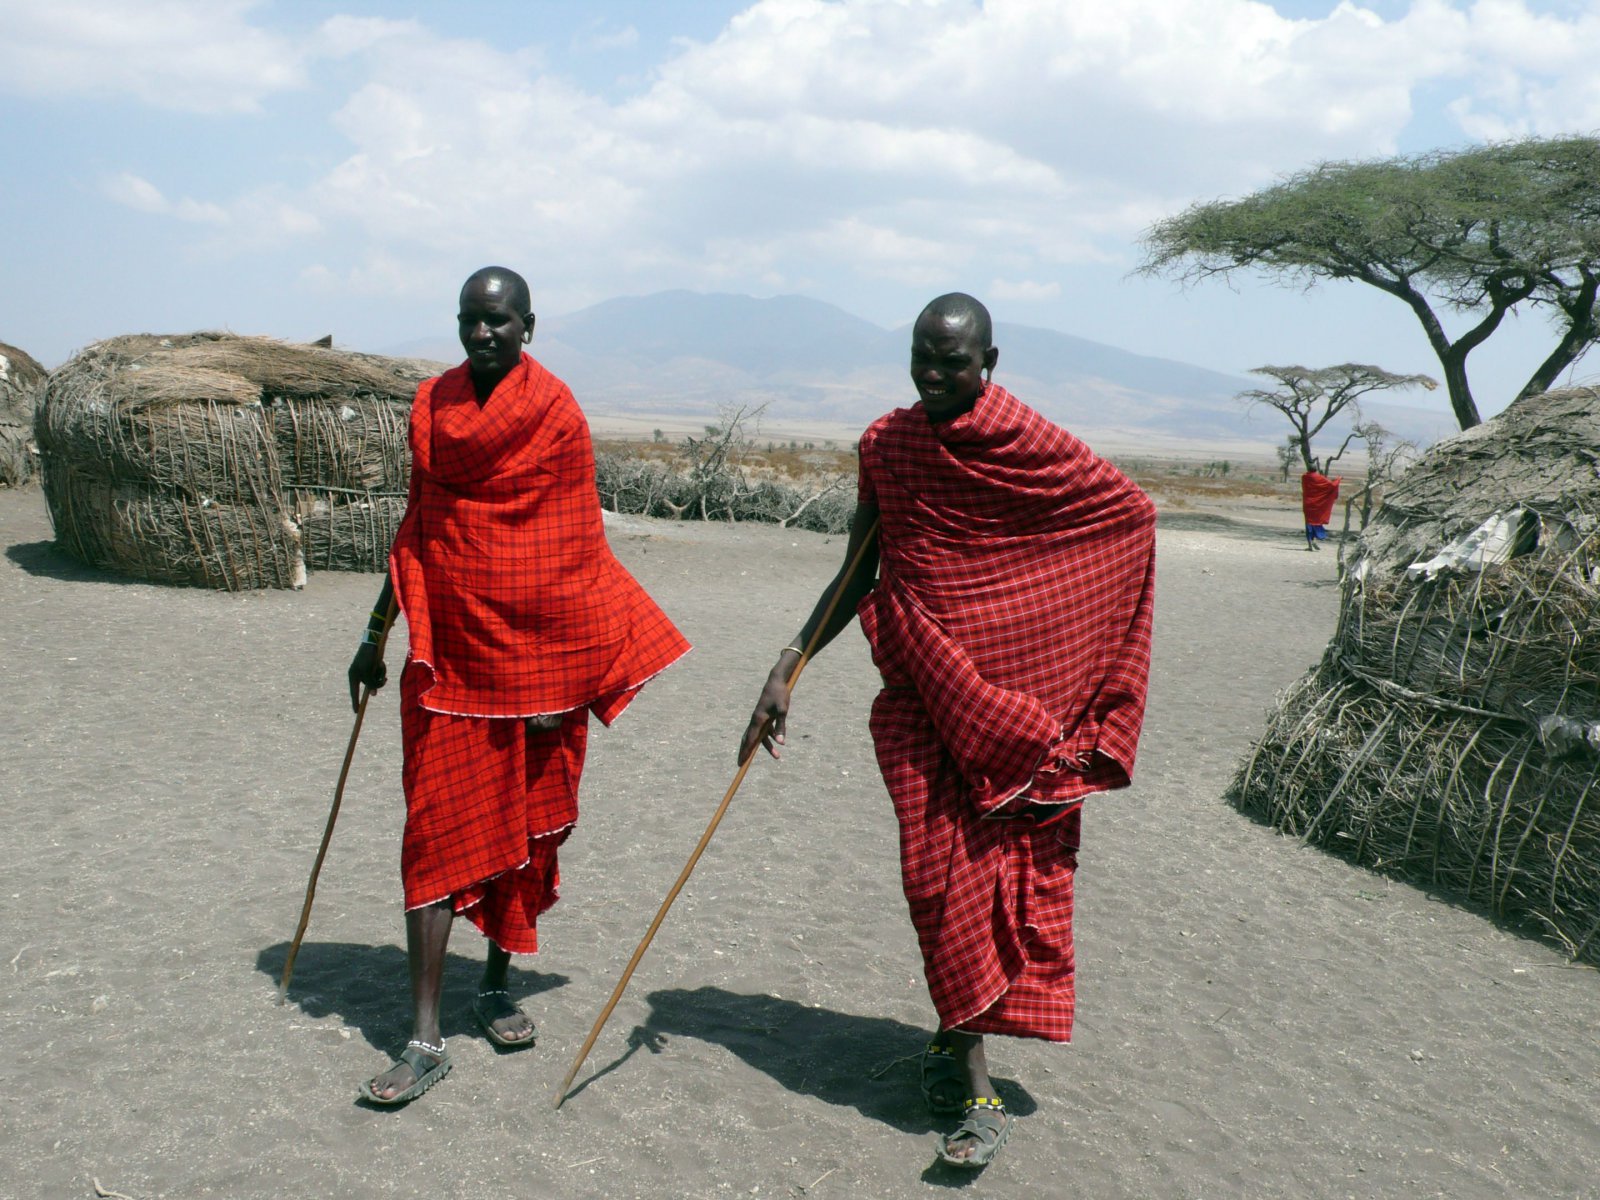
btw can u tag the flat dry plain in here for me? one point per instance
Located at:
(1256, 1018)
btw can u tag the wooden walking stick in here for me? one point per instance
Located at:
(333, 813)
(711, 828)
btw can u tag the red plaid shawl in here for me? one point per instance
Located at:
(514, 600)
(1011, 622)
(1015, 597)
(1317, 496)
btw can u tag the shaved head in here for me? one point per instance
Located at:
(502, 283)
(961, 309)
(952, 353)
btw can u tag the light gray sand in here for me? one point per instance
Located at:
(1255, 1018)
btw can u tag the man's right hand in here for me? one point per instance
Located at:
(366, 670)
(771, 715)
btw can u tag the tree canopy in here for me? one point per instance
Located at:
(1312, 397)
(1476, 232)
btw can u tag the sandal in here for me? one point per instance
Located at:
(942, 1076)
(987, 1125)
(416, 1055)
(488, 1014)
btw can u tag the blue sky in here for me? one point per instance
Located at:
(298, 169)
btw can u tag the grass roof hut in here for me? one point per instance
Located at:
(224, 461)
(21, 388)
(1451, 734)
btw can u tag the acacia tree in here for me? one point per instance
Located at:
(1476, 232)
(1311, 398)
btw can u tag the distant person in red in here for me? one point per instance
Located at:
(1317, 496)
(1008, 600)
(521, 624)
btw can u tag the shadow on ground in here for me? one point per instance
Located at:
(869, 1064)
(367, 988)
(1291, 537)
(47, 560)
(1344, 849)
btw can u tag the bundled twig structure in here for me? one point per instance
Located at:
(21, 389)
(711, 479)
(225, 461)
(650, 488)
(1451, 733)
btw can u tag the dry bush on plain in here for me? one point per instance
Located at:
(723, 476)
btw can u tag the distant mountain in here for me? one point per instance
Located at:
(687, 354)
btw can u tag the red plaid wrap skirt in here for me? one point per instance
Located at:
(487, 805)
(991, 901)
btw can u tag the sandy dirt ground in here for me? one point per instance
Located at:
(1256, 1018)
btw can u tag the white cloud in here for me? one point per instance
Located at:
(195, 55)
(869, 141)
(138, 193)
(601, 36)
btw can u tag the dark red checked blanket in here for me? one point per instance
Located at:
(515, 607)
(1011, 623)
(513, 599)
(1318, 494)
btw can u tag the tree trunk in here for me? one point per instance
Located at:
(1581, 334)
(1453, 358)
(1455, 380)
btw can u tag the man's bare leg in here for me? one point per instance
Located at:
(969, 1053)
(427, 935)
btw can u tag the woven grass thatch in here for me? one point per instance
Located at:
(1451, 734)
(21, 388)
(220, 461)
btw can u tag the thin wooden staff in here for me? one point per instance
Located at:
(333, 813)
(716, 819)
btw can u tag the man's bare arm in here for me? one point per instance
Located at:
(366, 668)
(768, 723)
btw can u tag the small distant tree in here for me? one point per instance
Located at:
(659, 436)
(1478, 232)
(1311, 398)
(1288, 455)
(1387, 456)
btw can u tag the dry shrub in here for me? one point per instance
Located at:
(1451, 734)
(656, 489)
(22, 383)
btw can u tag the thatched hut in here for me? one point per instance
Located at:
(225, 461)
(21, 388)
(1451, 734)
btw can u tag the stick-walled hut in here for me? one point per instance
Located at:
(22, 383)
(225, 461)
(1451, 734)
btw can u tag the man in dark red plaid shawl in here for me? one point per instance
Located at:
(1008, 604)
(521, 624)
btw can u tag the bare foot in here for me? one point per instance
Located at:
(506, 1024)
(401, 1074)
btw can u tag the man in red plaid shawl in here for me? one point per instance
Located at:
(1008, 604)
(521, 624)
